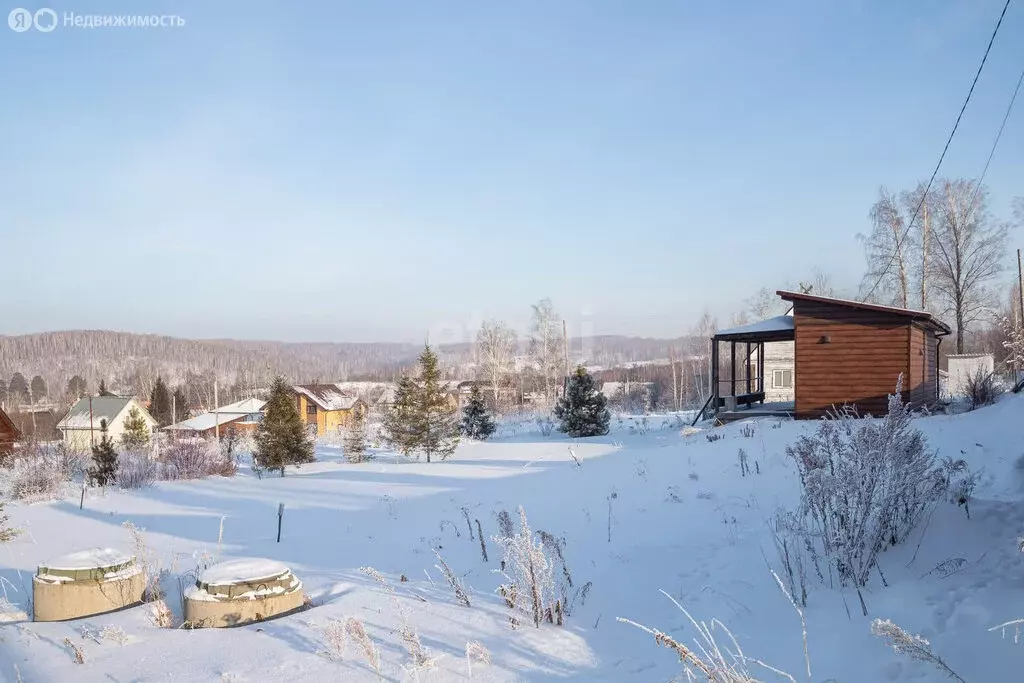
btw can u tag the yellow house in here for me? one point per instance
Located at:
(326, 408)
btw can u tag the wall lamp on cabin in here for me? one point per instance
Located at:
(825, 339)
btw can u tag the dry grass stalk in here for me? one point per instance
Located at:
(335, 636)
(78, 652)
(483, 544)
(410, 638)
(453, 581)
(476, 651)
(150, 566)
(161, 615)
(357, 632)
(914, 647)
(712, 663)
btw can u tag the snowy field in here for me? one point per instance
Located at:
(682, 520)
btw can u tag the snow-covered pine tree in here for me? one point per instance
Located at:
(583, 411)
(401, 428)
(160, 403)
(438, 416)
(6, 533)
(355, 437)
(180, 406)
(281, 438)
(104, 458)
(422, 417)
(476, 419)
(136, 432)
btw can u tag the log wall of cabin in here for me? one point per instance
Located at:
(859, 365)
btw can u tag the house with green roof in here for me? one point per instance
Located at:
(82, 426)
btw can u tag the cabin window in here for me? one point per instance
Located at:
(782, 379)
(310, 409)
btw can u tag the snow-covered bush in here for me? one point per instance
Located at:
(866, 485)
(34, 473)
(546, 425)
(982, 388)
(195, 459)
(136, 470)
(529, 585)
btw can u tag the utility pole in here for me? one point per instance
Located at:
(216, 414)
(565, 344)
(174, 410)
(1020, 287)
(92, 438)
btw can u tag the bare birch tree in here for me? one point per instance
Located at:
(700, 356)
(966, 253)
(495, 351)
(765, 304)
(546, 345)
(886, 252)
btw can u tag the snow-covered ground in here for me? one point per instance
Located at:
(682, 520)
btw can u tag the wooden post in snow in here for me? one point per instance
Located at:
(280, 516)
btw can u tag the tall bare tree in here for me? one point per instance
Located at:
(495, 351)
(887, 278)
(700, 356)
(765, 304)
(966, 252)
(546, 345)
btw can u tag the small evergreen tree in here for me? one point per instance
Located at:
(439, 419)
(281, 438)
(38, 388)
(476, 419)
(136, 432)
(583, 411)
(355, 437)
(76, 387)
(104, 458)
(401, 427)
(180, 405)
(18, 389)
(423, 418)
(160, 403)
(103, 389)
(7, 534)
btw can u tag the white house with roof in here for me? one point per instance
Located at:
(82, 426)
(242, 416)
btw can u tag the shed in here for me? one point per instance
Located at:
(9, 433)
(243, 417)
(845, 353)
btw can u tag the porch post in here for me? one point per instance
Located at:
(749, 388)
(760, 367)
(714, 372)
(732, 366)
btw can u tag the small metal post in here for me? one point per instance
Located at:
(280, 516)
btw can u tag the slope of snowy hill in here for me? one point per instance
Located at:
(644, 511)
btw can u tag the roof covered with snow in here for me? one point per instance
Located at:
(223, 415)
(328, 396)
(246, 407)
(101, 408)
(780, 325)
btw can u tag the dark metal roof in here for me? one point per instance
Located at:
(919, 316)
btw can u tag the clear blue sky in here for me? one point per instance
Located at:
(374, 170)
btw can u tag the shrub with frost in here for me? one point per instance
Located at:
(137, 469)
(34, 473)
(867, 484)
(195, 459)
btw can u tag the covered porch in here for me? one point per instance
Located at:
(738, 376)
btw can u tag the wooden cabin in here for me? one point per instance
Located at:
(9, 434)
(326, 408)
(845, 354)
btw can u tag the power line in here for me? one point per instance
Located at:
(995, 143)
(956, 124)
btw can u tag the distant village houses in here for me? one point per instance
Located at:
(81, 427)
(242, 417)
